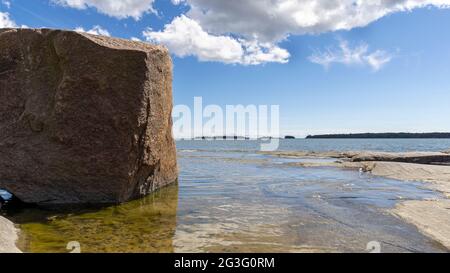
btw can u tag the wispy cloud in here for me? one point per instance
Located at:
(7, 3)
(345, 54)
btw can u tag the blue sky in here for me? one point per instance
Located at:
(355, 72)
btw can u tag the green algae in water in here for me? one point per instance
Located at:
(147, 225)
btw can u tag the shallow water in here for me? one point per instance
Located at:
(262, 204)
(241, 202)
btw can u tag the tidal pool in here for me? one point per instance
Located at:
(240, 202)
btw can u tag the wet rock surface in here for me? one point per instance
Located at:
(412, 157)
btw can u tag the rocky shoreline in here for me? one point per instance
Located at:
(432, 218)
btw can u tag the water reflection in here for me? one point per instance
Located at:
(146, 225)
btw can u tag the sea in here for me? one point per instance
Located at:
(232, 198)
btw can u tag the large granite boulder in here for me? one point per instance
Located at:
(83, 118)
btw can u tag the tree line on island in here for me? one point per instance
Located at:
(381, 135)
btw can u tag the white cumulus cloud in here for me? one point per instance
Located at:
(274, 20)
(261, 25)
(96, 30)
(5, 21)
(185, 37)
(115, 8)
(249, 31)
(348, 55)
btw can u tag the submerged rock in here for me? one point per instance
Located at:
(83, 118)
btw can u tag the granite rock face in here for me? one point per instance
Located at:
(432, 158)
(83, 119)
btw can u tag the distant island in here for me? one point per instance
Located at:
(381, 135)
(229, 138)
